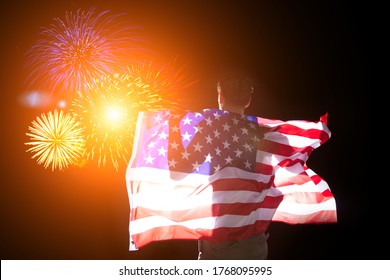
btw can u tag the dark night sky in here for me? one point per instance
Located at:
(307, 57)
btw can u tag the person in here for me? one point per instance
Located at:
(235, 91)
(222, 176)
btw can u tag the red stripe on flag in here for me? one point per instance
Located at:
(212, 210)
(320, 217)
(214, 235)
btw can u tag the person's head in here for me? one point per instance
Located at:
(235, 92)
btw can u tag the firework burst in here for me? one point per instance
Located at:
(167, 81)
(109, 111)
(56, 140)
(71, 54)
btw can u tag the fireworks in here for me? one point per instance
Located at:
(74, 52)
(108, 115)
(98, 65)
(167, 80)
(56, 140)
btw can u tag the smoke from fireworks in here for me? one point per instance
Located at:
(70, 54)
(109, 111)
(56, 140)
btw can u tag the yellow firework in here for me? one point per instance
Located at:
(166, 81)
(108, 110)
(108, 116)
(56, 140)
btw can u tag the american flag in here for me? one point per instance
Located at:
(222, 176)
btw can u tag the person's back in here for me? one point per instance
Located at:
(234, 95)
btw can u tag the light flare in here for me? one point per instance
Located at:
(108, 110)
(107, 117)
(115, 115)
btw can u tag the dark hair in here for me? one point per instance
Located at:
(237, 88)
